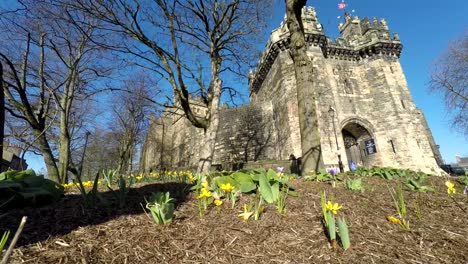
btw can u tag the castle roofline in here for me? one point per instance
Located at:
(359, 39)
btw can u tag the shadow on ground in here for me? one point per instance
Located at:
(69, 213)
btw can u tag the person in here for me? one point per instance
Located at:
(294, 164)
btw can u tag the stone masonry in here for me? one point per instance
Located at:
(365, 110)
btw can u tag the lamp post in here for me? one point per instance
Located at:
(331, 112)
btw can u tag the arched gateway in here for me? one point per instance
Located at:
(358, 140)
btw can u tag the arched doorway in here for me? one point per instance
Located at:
(358, 143)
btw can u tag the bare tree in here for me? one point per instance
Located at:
(57, 70)
(449, 76)
(130, 116)
(310, 137)
(188, 43)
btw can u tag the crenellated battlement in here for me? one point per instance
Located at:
(359, 39)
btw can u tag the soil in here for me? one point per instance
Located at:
(66, 232)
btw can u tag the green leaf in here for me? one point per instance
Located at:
(255, 177)
(344, 233)
(271, 175)
(293, 193)
(331, 226)
(7, 185)
(226, 180)
(247, 187)
(19, 176)
(275, 191)
(265, 189)
(242, 178)
(7, 175)
(34, 181)
(4, 240)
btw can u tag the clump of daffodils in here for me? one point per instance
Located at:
(88, 184)
(230, 192)
(204, 197)
(450, 187)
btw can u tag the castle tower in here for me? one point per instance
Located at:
(361, 96)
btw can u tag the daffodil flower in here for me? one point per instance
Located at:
(450, 187)
(227, 187)
(246, 214)
(204, 194)
(333, 207)
(218, 202)
(192, 179)
(393, 219)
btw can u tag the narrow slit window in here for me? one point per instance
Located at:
(393, 145)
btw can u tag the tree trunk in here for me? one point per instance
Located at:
(310, 137)
(52, 171)
(207, 150)
(64, 151)
(2, 115)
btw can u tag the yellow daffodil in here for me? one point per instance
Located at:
(450, 187)
(192, 179)
(218, 202)
(312, 172)
(139, 178)
(333, 207)
(205, 193)
(393, 220)
(246, 214)
(227, 187)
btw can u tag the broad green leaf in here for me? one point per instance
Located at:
(34, 181)
(275, 191)
(271, 175)
(255, 177)
(226, 180)
(242, 178)
(4, 185)
(265, 189)
(23, 174)
(247, 187)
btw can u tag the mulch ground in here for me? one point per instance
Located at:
(65, 232)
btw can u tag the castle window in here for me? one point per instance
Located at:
(393, 145)
(403, 104)
(391, 69)
(347, 86)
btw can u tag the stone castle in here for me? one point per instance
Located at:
(365, 110)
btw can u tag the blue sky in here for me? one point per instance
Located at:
(425, 28)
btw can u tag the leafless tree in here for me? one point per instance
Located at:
(130, 114)
(58, 68)
(310, 136)
(189, 43)
(449, 76)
